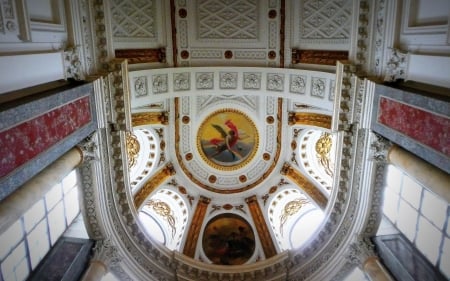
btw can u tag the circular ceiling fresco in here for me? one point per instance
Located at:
(227, 139)
(228, 239)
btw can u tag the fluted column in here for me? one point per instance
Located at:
(363, 255)
(104, 256)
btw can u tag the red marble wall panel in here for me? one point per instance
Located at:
(26, 140)
(425, 127)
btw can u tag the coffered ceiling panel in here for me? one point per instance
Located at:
(244, 31)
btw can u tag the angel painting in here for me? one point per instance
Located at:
(227, 138)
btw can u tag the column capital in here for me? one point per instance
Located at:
(379, 148)
(73, 64)
(360, 251)
(396, 65)
(106, 253)
(88, 148)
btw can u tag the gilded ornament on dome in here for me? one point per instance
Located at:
(323, 148)
(163, 209)
(290, 209)
(133, 148)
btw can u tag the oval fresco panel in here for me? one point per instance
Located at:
(227, 139)
(228, 239)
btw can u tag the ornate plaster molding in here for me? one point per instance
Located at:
(396, 65)
(380, 147)
(73, 64)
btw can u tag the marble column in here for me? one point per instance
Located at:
(425, 173)
(375, 270)
(95, 271)
(16, 204)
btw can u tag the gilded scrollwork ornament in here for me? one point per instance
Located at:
(290, 209)
(133, 148)
(323, 149)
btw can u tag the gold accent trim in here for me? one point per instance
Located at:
(152, 184)
(310, 119)
(196, 225)
(149, 118)
(303, 183)
(261, 227)
(276, 156)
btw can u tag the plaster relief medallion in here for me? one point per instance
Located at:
(228, 239)
(227, 139)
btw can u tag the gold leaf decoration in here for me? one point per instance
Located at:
(133, 148)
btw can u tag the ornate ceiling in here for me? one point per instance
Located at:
(227, 136)
(223, 149)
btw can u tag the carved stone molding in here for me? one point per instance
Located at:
(396, 65)
(92, 222)
(361, 54)
(73, 64)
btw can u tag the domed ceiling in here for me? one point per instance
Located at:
(230, 176)
(234, 139)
